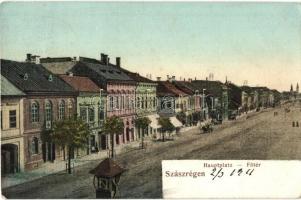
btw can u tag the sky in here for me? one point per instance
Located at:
(255, 42)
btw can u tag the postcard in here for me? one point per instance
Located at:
(150, 100)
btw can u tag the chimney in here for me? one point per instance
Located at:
(28, 57)
(206, 78)
(195, 78)
(108, 60)
(158, 78)
(168, 77)
(102, 57)
(118, 61)
(105, 59)
(184, 80)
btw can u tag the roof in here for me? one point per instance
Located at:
(166, 88)
(214, 88)
(138, 78)
(108, 168)
(33, 78)
(185, 87)
(8, 89)
(108, 72)
(58, 65)
(57, 59)
(80, 83)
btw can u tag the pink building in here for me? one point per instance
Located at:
(120, 90)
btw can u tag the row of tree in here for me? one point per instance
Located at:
(74, 133)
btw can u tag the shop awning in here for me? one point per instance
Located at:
(175, 122)
(154, 121)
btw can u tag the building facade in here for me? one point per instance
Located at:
(48, 98)
(12, 128)
(91, 108)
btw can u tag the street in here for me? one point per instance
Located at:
(257, 135)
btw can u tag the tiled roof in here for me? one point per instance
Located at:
(33, 78)
(108, 72)
(138, 78)
(185, 87)
(166, 88)
(108, 168)
(214, 88)
(8, 89)
(80, 83)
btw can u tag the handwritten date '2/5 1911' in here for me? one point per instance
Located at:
(235, 172)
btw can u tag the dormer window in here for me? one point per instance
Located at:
(50, 77)
(111, 71)
(25, 77)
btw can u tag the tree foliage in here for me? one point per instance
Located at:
(143, 123)
(181, 117)
(113, 125)
(166, 126)
(71, 133)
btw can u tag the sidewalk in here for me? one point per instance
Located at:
(60, 166)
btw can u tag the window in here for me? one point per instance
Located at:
(91, 115)
(48, 111)
(35, 146)
(70, 108)
(138, 102)
(101, 115)
(117, 103)
(122, 102)
(127, 102)
(12, 119)
(146, 102)
(111, 103)
(34, 112)
(83, 113)
(62, 110)
(142, 102)
(154, 102)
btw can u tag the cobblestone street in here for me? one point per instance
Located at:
(257, 135)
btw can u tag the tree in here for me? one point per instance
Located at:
(181, 117)
(142, 123)
(71, 133)
(166, 126)
(113, 125)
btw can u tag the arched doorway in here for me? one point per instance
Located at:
(9, 159)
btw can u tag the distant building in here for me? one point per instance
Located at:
(216, 96)
(171, 101)
(194, 113)
(146, 102)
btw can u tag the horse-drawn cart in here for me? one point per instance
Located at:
(207, 127)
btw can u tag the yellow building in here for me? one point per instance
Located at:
(12, 143)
